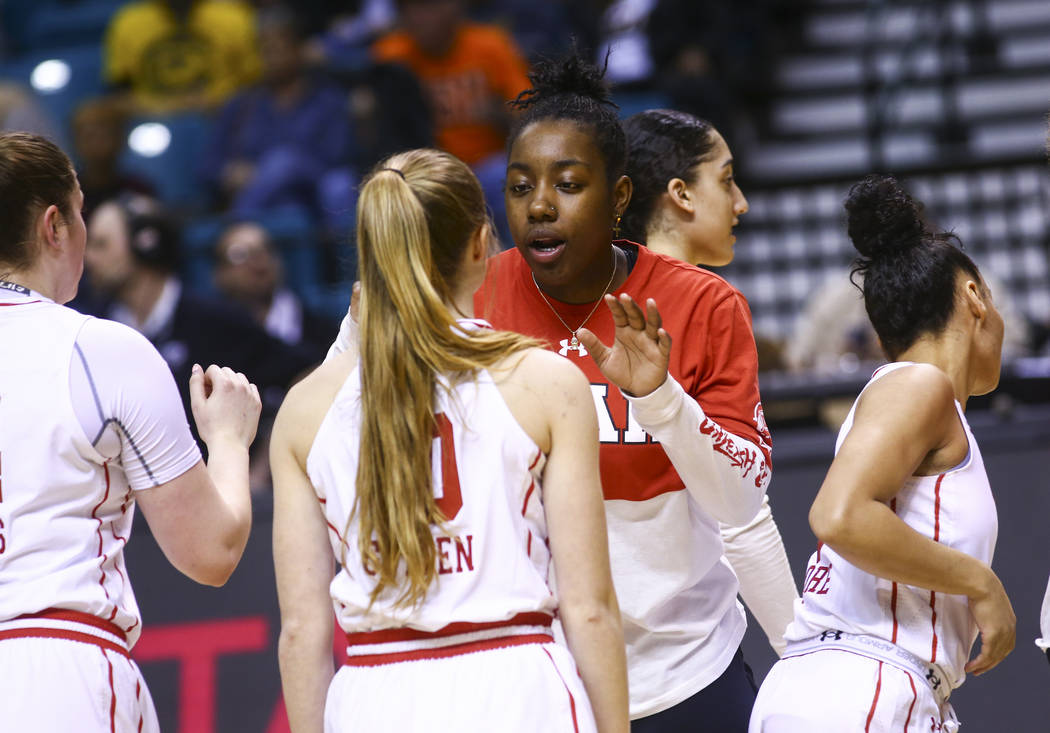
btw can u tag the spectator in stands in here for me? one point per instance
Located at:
(833, 334)
(131, 260)
(249, 271)
(469, 71)
(685, 41)
(99, 127)
(176, 55)
(20, 112)
(275, 143)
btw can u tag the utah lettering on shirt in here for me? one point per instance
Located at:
(608, 430)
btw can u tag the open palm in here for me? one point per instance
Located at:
(637, 360)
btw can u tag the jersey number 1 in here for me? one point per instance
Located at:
(451, 500)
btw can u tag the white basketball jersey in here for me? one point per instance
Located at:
(955, 508)
(65, 513)
(492, 554)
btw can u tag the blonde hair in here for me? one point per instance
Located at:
(416, 215)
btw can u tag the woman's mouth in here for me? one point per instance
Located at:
(546, 249)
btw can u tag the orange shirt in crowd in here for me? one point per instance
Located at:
(482, 70)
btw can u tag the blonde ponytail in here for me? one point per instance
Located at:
(416, 215)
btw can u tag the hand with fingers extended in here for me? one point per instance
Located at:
(225, 405)
(638, 358)
(996, 622)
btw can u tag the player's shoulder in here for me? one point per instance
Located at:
(918, 377)
(308, 400)
(543, 372)
(114, 337)
(921, 389)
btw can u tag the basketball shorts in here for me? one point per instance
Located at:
(831, 691)
(58, 684)
(526, 688)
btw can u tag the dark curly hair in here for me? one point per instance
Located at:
(909, 271)
(662, 144)
(574, 89)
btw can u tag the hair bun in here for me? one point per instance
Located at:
(571, 75)
(882, 218)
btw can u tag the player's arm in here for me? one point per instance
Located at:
(899, 420)
(304, 567)
(202, 518)
(726, 474)
(756, 553)
(575, 512)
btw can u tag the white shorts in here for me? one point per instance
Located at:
(527, 688)
(59, 676)
(832, 691)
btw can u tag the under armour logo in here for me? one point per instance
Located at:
(933, 679)
(567, 346)
(830, 634)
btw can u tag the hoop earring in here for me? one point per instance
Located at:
(616, 227)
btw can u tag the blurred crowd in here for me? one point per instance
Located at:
(294, 103)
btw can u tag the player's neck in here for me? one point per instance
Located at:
(669, 242)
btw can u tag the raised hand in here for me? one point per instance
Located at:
(637, 360)
(225, 405)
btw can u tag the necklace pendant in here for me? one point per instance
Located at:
(574, 343)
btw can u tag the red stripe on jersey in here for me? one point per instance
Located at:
(933, 623)
(68, 634)
(112, 698)
(936, 538)
(65, 614)
(937, 509)
(332, 526)
(94, 512)
(535, 461)
(528, 495)
(874, 700)
(893, 594)
(384, 636)
(28, 302)
(454, 650)
(914, 697)
(572, 700)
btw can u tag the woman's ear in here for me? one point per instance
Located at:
(975, 296)
(622, 190)
(680, 196)
(49, 225)
(481, 244)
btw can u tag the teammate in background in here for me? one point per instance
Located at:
(444, 466)
(565, 192)
(91, 425)
(685, 204)
(901, 584)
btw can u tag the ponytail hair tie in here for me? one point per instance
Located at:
(394, 170)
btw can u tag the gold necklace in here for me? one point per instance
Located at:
(574, 343)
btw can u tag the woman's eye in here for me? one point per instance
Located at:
(569, 185)
(518, 188)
